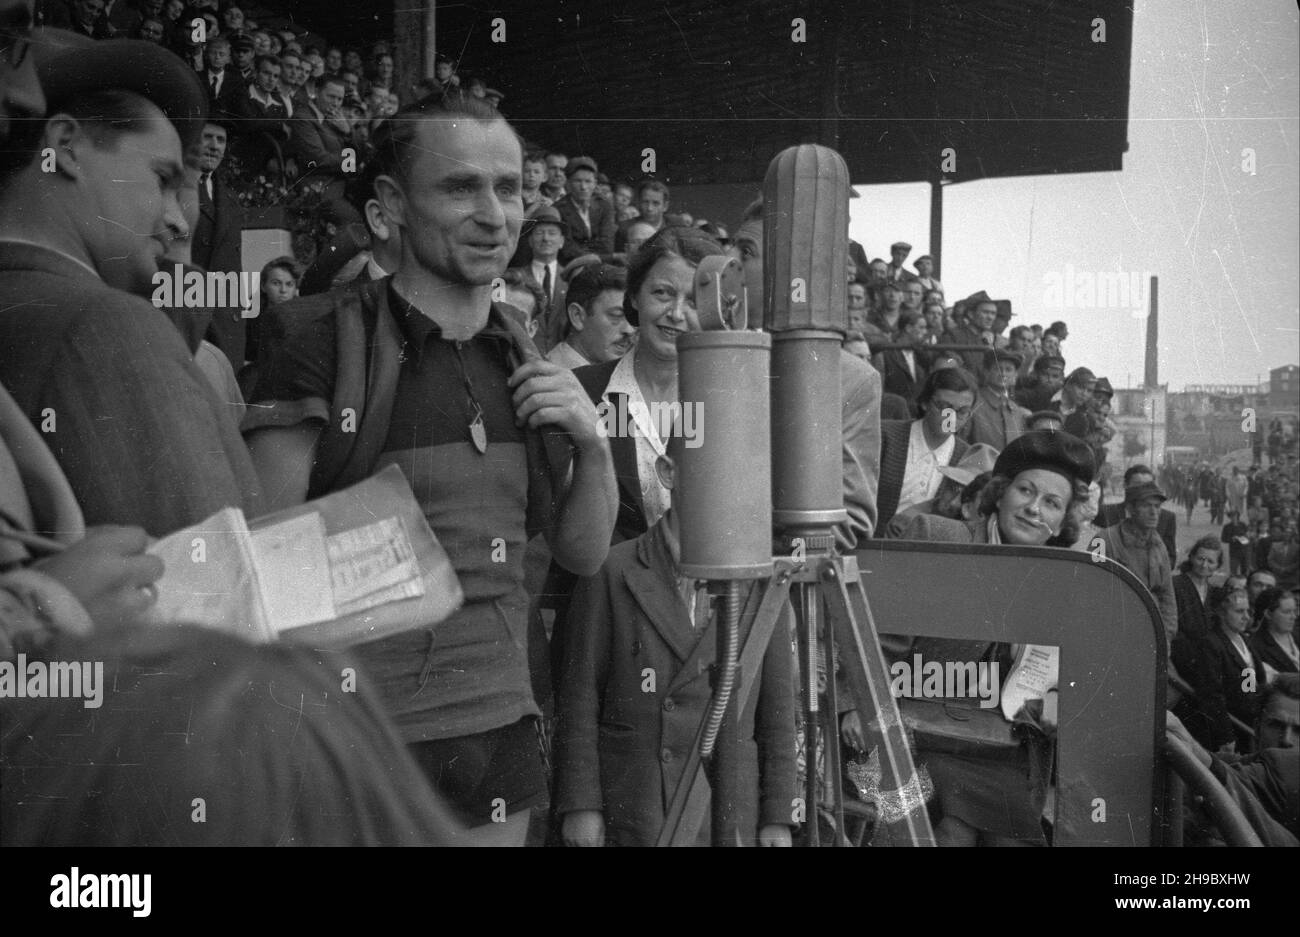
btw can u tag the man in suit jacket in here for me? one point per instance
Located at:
(911, 452)
(621, 744)
(318, 134)
(1167, 527)
(590, 219)
(226, 87)
(901, 370)
(547, 234)
(217, 240)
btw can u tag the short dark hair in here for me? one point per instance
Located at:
(535, 156)
(955, 379)
(1138, 469)
(260, 60)
(654, 184)
(592, 280)
(1268, 600)
(393, 143)
(691, 244)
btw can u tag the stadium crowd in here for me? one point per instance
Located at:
(492, 308)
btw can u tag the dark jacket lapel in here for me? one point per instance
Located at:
(657, 597)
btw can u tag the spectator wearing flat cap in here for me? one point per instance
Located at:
(997, 419)
(990, 794)
(1035, 392)
(590, 220)
(1135, 543)
(140, 434)
(1166, 526)
(898, 252)
(925, 273)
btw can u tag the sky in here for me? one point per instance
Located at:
(1209, 80)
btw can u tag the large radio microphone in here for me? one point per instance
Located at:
(805, 243)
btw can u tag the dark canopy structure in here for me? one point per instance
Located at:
(1013, 87)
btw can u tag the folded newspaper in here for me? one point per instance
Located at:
(354, 566)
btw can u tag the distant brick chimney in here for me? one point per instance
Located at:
(1153, 336)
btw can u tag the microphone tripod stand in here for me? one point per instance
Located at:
(815, 579)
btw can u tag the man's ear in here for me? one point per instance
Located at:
(391, 199)
(577, 316)
(66, 139)
(376, 220)
(664, 470)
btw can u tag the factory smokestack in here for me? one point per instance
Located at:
(1153, 335)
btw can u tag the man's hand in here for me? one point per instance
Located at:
(851, 731)
(110, 574)
(547, 394)
(774, 834)
(584, 828)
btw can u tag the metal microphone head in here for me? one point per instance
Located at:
(806, 240)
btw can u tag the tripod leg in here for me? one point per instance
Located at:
(686, 809)
(868, 680)
(806, 609)
(834, 768)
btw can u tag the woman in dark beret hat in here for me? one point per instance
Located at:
(991, 781)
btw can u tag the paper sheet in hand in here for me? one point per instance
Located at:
(1036, 670)
(370, 559)
(354, 566)
(294, 570)
(209, 578)
(388, 572)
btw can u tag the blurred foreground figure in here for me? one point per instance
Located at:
(202, 739)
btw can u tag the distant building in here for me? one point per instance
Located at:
(1284, 389)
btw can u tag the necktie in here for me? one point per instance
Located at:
(546, 282)
(205, 186)
(215, 76)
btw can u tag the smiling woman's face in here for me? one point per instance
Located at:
(666, 306)
(1032, 509)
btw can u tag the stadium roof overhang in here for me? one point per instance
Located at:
(1013, 87)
